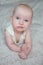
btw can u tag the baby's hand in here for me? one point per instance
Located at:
(22, 55)
(25, 48)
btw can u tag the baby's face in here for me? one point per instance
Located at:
(21, 19)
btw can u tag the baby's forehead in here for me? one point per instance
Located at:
(24, 9)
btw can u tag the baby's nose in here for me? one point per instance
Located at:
(21, 22)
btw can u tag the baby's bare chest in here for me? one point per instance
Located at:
(18, 38)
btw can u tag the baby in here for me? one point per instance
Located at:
(18, 33)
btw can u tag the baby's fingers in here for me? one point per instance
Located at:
(22, 56)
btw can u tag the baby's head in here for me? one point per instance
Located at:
(22, 17)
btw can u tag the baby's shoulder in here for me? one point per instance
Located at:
(10, 30)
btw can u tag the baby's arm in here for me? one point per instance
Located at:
(10, 42)
(26, 47)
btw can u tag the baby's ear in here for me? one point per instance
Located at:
(31, 22)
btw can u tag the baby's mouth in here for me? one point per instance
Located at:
(20, 27)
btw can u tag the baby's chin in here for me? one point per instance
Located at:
(20, 31)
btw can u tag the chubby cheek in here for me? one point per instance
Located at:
(14, 25)
(27, 26)
(14, 22)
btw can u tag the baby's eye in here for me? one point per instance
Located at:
(17, 18)
(26, 20)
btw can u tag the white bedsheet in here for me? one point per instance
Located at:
(36, 56)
